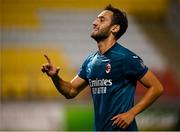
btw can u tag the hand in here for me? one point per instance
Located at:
(123, 120)
(49, 68)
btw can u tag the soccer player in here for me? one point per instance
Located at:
(112, 73)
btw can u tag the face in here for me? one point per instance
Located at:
(102, 26)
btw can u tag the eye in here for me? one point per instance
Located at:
(101, 19)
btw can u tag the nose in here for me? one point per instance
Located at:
(95, 23)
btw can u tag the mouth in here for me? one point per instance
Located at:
(95, 29)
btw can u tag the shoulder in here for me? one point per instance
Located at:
(122, 53)
(89, 57)
(126, 57)
(126, 51)
(129, 54)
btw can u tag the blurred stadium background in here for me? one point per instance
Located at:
(61, 28)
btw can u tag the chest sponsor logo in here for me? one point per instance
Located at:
(99, 86)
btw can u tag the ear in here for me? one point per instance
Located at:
(115, 28)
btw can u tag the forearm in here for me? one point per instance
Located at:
(64, 87)
(150, 96)
(68, 89)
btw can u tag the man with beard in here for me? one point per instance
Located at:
(112, 74)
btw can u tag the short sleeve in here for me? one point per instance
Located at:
(134, 67)
(82, 72)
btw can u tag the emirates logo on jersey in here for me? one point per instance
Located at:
(108, 68)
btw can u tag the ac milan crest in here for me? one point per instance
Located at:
(108, 68)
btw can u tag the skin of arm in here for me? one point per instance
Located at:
(155, 89)
(67, 89)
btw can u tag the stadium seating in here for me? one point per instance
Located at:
(21, 75)
(63, 29)
(24, 13)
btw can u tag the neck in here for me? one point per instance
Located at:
(106, 44)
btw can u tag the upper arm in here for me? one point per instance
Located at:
(150, 80)
(78, 84)
(133, 67)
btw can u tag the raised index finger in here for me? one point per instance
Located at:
(47, 58)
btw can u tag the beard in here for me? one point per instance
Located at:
(100, 35)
